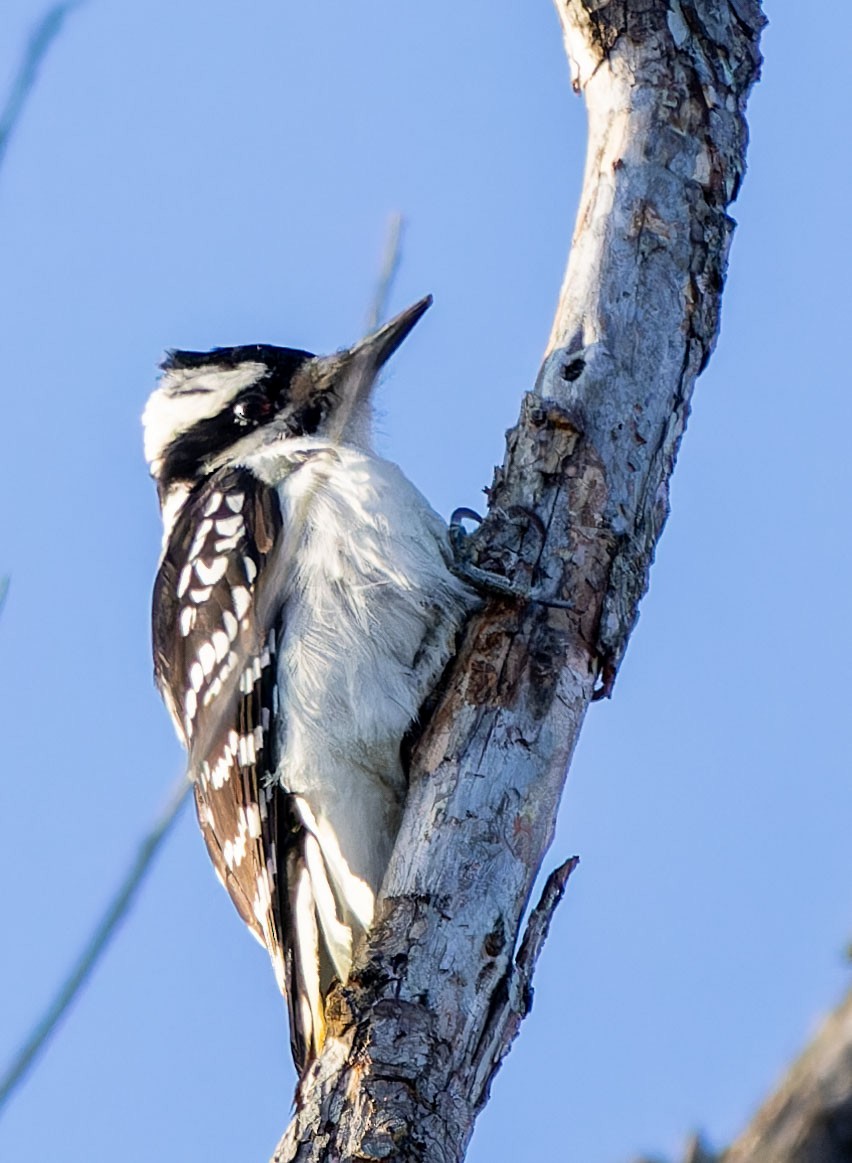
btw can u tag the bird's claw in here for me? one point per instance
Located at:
(483, 580)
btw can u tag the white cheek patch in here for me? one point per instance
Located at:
(186, 396)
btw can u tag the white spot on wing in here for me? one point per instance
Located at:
(245, 750)
(240, 600)
(183, 580)
(229, 526)
(222, 771)
(213, 504)
(207, 657)
(187, 620)
(199, 538)
(235, 502)
(221, 644)
(253, 820)
(263, 898)
(225, 544)
(239, 850)
(208, 575)
(196, 676)
(250, 568)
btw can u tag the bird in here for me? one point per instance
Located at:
(304, 608)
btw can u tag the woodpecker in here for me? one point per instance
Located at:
(303, 611)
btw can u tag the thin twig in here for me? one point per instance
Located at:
(390, 265)
(118, 909)
(538, 926)
(41, 38)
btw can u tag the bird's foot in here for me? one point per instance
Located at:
(483, 580)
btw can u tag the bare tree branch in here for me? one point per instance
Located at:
(695, 1152)
(40, 41)
(391, 258)
(41, 38)
(809, 1118)
(118, 908)
(421, 1028)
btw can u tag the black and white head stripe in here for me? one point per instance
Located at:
(207, 401)
(295, 588)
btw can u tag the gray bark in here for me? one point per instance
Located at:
(439, 991)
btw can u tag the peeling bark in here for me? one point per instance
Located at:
(438, 992)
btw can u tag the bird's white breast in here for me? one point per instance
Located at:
(369, 621)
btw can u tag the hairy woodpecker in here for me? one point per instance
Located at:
(303, 610)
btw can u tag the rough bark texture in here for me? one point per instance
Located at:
(438, 993)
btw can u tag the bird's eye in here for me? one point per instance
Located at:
(310, 419)
(252, 409)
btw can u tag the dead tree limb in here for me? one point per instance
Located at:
(809, 1117)
(438, 992)
(42, 37)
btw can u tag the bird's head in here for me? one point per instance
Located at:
(211, 405)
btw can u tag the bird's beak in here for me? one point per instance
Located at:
(377, 348)
(352, 374)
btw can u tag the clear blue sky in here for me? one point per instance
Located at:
(208, 173)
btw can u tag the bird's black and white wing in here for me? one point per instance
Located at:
(216, 664)
(303, 610)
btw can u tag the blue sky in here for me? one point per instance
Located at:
(201, 174)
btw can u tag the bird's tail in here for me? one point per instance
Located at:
(322, 910)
